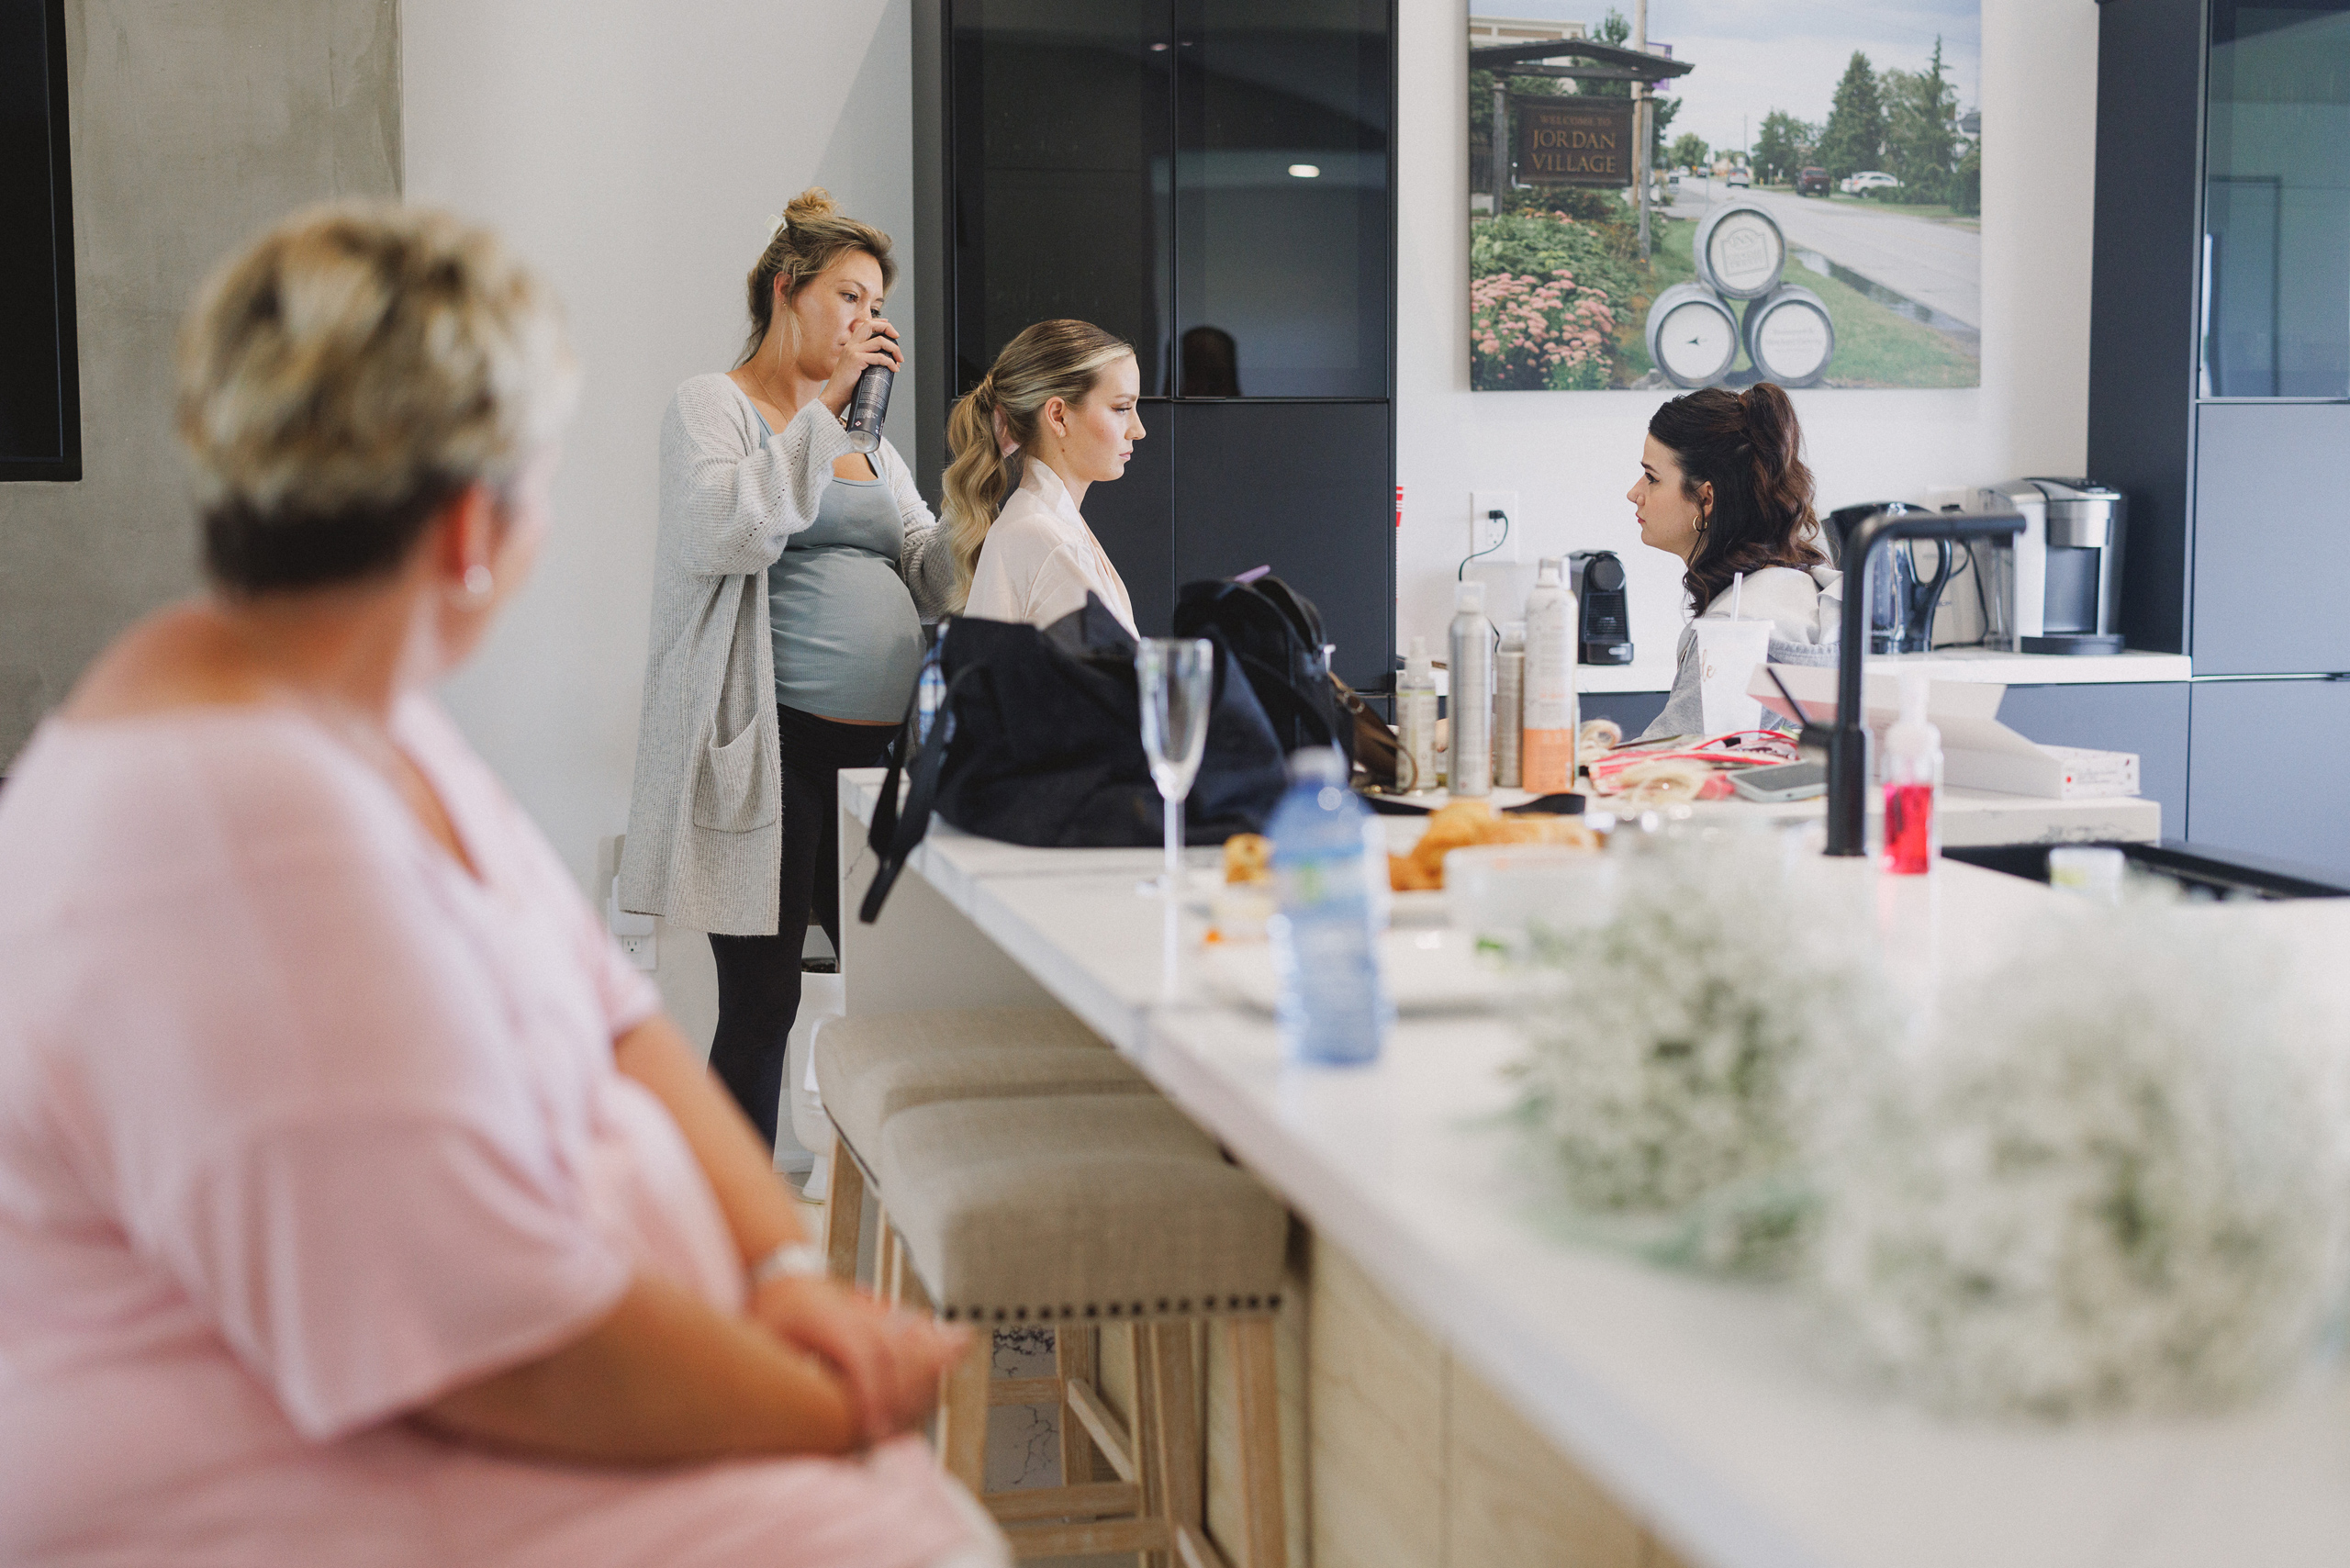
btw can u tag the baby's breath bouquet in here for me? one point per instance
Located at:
(2114, 1179)
(1661, 1042)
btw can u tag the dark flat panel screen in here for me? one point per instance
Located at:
(1305, 489)
(2297, 730)
(2150, 719)
(40, 414)
(1133, 518)
(1283, 198)
(2268, 485)
(1062, 134)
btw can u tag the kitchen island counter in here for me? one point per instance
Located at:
(1702, 1409)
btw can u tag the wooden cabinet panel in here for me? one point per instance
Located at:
(1375, 1397)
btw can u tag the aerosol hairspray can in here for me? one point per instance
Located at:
(1509, 703)
(1469, 764)
(868, 406)
(1549, 747)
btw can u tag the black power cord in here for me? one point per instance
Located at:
(1460, 572)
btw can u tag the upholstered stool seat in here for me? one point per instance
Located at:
(1092, 1213)
(871, 1067)
(1077, 1206)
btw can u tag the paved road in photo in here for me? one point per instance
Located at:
(1937, 264)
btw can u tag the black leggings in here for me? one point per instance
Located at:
(758, 977)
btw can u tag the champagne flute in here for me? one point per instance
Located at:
(1177, 681)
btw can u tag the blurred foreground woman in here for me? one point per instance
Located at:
(358, 1203)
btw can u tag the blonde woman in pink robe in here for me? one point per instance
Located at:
(357, 1202)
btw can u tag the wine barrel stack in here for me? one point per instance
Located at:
(1695, 330)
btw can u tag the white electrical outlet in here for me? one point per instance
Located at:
(1494, 539)
(642, 951)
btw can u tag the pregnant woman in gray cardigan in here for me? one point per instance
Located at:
(791, 581)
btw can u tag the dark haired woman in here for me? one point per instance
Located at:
(790, 586)
(1723, 486)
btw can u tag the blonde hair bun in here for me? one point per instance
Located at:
(814, 202)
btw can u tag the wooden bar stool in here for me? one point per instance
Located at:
(1083, 1212)
(868, 1069)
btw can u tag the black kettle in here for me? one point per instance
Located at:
(1901, 602)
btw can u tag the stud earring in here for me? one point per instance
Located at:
(478, 581)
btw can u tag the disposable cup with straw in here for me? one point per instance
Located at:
(1728, 650)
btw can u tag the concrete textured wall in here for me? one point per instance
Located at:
(195, 123)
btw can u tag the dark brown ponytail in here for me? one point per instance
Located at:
(1751, 450)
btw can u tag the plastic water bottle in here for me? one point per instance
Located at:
(1333, 1001)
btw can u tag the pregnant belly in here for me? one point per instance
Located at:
(847, 642)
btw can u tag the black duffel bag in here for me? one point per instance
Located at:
(1038, 740)
(1276, 634)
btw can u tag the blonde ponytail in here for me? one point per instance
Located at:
(1052, 359)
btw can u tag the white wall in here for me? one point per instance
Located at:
(1571, 455)
(634, 151)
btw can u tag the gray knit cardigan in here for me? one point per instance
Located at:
(705, 818)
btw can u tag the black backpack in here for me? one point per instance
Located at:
(1276, 634)
(1038, 740)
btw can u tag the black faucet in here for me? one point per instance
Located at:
(1848, 743)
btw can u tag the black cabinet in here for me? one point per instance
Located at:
(1212, 180)
(1060, 170)
(1135, 520)
(1283, 284)
(2269, 770)
(1301, 487)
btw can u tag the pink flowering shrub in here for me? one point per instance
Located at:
(1528, 333)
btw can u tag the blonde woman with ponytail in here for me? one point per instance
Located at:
(1056, 416)
(791, 581)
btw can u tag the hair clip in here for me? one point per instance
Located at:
(776, 224)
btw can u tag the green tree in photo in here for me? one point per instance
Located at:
(1660, 113)
(1854, 138)
(1921, 130)
(1689, 151)
(1966, 183)
(1778, 148)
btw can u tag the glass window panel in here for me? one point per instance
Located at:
(1063, 127)
(1283, 198)
(2276, 201)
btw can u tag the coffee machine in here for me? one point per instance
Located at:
(1604, 605)
(2056, 586)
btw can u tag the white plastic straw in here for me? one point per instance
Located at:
(1736, 588)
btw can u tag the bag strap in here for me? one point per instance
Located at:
(895, 834)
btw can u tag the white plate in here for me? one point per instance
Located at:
(1427, 971)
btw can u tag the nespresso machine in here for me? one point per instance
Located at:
(1605, 606)
(2056, 587)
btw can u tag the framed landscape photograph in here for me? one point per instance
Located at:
(1693, 193)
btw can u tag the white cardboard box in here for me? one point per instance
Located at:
(1978, 752)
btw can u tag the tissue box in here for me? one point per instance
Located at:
(1978, 752)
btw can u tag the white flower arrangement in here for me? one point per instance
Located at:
(2113, 1180)
(1661, 1041)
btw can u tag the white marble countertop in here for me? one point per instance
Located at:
(1946, 664)
(1700, 1404)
